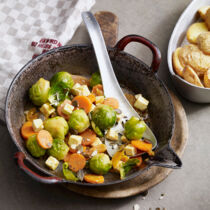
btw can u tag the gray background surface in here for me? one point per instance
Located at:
(185, 189)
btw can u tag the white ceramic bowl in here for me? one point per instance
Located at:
(186, 89)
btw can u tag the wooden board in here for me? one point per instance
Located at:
(148, 178)
(109, 26)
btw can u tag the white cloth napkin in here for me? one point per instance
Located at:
(30, 27)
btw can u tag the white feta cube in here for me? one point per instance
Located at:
(37, 125)
(130, 150)
(92, 107)
(74, 141)
(47, 109)
(96, 142)
(67, 109)
(76, 89)
(112, 135)
(80, 90)
(99, 99)
(138, 95)
(52, 163)
(141, 103)
(84, 90)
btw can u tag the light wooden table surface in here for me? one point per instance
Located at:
(185, 189)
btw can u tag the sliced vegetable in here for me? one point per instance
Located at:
(95, 79)
(96, 129)
(117, 157)
(142, 145)
(113, 102)
(125, 158)
(34, 148)
(88, 137)
(80, 79)
(68, 174)
(59, 149)
(100, 148)
(98, 90)
(94, 179)
(76, 162)
(83, 103)
(32, 114)
(130, 98)
(127, 166)
(92, 97)
(27, 130)
(140, 161)
(44, 139)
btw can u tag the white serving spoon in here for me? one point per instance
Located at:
(110, 84)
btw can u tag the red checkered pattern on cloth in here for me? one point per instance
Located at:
(44, 45)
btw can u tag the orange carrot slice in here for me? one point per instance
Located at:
(141, 145)
(80, 79)
(92, 97)
(75, 150)
(44, 139)
(59, 109)
(94, 179)
(27, 130)
(83, 103)
(113, 102)
(98, 90)
(130, 98)
(66, 158)
(76, 162)
(88, 136)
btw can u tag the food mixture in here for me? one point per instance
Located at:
(71, 122)
(192, 61)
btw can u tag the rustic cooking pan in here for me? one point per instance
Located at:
(131, 72)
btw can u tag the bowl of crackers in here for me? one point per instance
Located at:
(189, 52)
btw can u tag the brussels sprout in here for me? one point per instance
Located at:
(134, 128)
(57, 126)
(57, 94)
(127, 166)
(95, 79)
(68, 174)
(34, 148)
(38, 93)
(100, 164)
(104, 116)
(62, 78)
(59, 149)
(79, 121)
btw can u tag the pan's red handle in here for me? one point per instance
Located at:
(47, 180)
(136, 38)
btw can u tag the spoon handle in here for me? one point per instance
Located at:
(110, 84)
